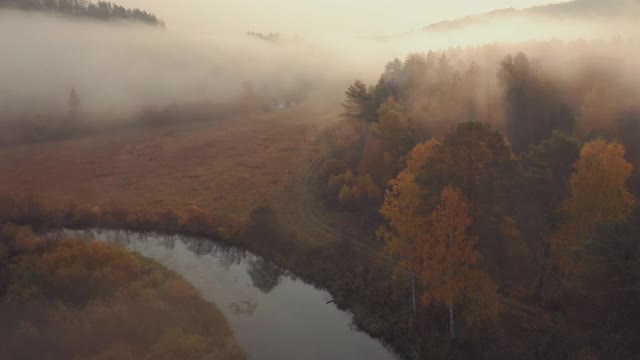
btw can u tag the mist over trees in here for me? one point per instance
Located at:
(507, 182)
(500, 180)
(101, 10)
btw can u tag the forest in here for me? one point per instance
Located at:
(101, 10)
(526, 193)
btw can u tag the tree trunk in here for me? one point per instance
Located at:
(453, 334)
(362, 136)
(543, 271)
(413, 290)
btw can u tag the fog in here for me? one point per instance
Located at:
(114, 124)
(303, 18)
(118, 69)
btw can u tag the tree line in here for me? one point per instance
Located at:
(101, 10)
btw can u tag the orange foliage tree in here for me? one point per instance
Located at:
(449, 261)
(598, 196)
(401, 209)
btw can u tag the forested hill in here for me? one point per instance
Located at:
(577, 9)
(101, 10)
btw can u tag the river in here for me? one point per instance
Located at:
(273, 314)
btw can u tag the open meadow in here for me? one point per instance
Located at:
(226, 166)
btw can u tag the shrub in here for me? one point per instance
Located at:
(332, 167)
(86, 215)
(168, 220)
(264, 226)
(195, 220)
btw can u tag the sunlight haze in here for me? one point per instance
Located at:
(293, 17)
(320, 179)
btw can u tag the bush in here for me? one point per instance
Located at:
(332, 167)
(192, 220)
(264, 226)
(195, 220)
(354, 192)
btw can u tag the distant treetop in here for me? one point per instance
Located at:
(101, 10)
(272, 37)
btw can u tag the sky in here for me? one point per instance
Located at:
(315, 17)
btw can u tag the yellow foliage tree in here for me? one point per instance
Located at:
(401, 209)
(449, 261)
(598, 195)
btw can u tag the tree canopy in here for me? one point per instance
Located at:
(101, 10)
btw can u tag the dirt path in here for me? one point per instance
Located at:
(309, 208)
(305, 214)
(299, 204)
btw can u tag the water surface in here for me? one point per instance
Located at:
(273, 314)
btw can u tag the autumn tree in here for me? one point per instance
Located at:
(449, 261)
(403, 210)
(598, 196)
(477, 160)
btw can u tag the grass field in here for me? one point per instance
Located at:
(226, 166)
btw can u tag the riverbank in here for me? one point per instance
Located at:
(359, 281)
(66, 298)
(274, 314)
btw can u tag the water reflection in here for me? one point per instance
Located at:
(273, 314)
(243, 307)
(264, 274)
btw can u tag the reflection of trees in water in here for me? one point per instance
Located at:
(137, 241)
(264, 274)
(229, 255)
(243, 307)
(169, 241)
(199, 247)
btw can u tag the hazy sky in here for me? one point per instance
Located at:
(314, 17)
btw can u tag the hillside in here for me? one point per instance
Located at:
(575, 10)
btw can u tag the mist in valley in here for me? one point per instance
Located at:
(120, 68)
(415, 180)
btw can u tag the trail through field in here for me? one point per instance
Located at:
(308, 203)
(305, 214)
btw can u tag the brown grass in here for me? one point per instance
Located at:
(225, 167)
